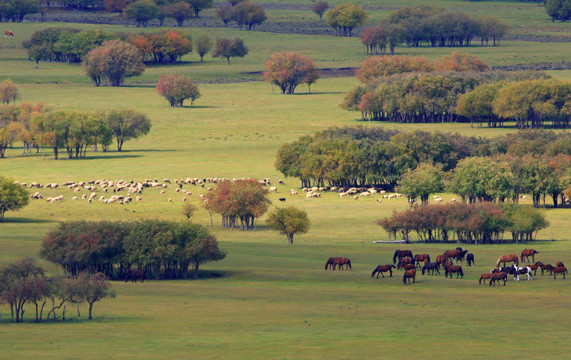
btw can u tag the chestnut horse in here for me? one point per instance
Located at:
(496, 277)
(400, 254)
(409, 267)
(405, 261)
(454, 269)
(421, 258)
(526, 253)
(455, 254)
(329, 263)
(8, 34)
(440, 260)
(342, 261)
(430, 267)
(506, 259)
(383, 268)
(409, 274)
(559, 270)
(484, 276)
(546, 267)
(535, 266)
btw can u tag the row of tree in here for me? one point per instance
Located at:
(162, 249)
(74, 131)
(481, 223)
(359, 156)
(25, 282)
(426, 25)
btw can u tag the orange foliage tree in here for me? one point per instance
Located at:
(288, 69)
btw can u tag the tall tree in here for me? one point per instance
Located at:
(426, 179)
(289, 221)
(21, 282)
(228, 48)
(127, 125)
(203, 45)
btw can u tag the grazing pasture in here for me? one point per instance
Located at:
(267, 299)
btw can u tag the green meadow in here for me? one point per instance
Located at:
(273, 301)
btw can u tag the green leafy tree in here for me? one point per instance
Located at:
(228, 48)
(344, 18)
(203, 45)
(142, 12)
(426, 179)
(113, 62)
(127, 125)
(89, 288)
(558, 9)
(13, 197)
(8, 91)
(225, 13)
(199, 5)
(177, 88)
(289, 221)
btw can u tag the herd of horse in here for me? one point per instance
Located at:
(410, 264)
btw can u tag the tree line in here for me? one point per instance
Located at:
(75, 131)
(24, 282)
(357, 156)
(456, 88)
(481, 223)
(162, 249)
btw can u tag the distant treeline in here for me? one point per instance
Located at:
(164, 250)
(358, 156)
(71, 45)
(481, 223)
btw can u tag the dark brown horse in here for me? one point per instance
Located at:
(430, 267)
(383, 268)
(399, 254)
(418, 258)
(342, 262)
(135, 275)
(506, 259)
(405, 261)
(453, 254)
(559, 264)
(559, 270)
(470, 259)
(496, 277)
(409, 267)
(526, 253)
(329, 263)
(546, 267)
(440, 260)
(484, 276)
(454, 269)
(408, 275)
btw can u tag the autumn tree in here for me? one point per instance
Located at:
(289, 221)
(13, 197)
(176, 88)
(426, 179)
(142, 12)
(320, 8)
(491, 27)
(375, 67)
(8, 91)
(188, 210)
(288, 69)
(179, 11)
(478, 104)
(458, 61)
(228, 48)
(162, 47)
(113, 62)
(344, 18)
(203, 45)
(248, 14)
(21, 282)
(225, 13)
(127, 125)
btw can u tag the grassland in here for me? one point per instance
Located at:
(273, 301)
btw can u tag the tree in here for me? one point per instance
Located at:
(142, 12)
(127, 125)
(459, 62)
(203, 45)
(188, 210)
(16, 10)
(376, 67)
(12, 196)
(558, 9)
(199, 5)
(177, 88)
(421, 182)
(288, 69)
(8, 91)
(202, 250)
(21, 282)
(113, 62)
(229, 48)
(225, 13)
(90, 288)
(248, 14)
(289, 221)
(180, 11)
(344, 18)
(320, 8)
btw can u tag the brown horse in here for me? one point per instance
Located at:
(399, 254)
(329, 263)
(383, 268)
(484, 276)
(453, 254)
(546, 267)
(506, 259)
(526, 253)
(559, 264)
(496, 277)
(409, 267)
(535, 266)
(421, 258)
(440, 260)
(408, 275)
(404, 261)
(454, 269)
(342, 261)
(135, 275)
(559, 270)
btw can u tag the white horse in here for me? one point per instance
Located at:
(517, 271)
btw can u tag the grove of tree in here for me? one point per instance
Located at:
(113, 62)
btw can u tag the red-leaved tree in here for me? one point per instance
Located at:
(177, 88)
(288, 69)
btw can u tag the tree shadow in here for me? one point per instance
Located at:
(22, 220)
(110, 156)
(199, 107)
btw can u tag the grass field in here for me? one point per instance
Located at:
(273, 301)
